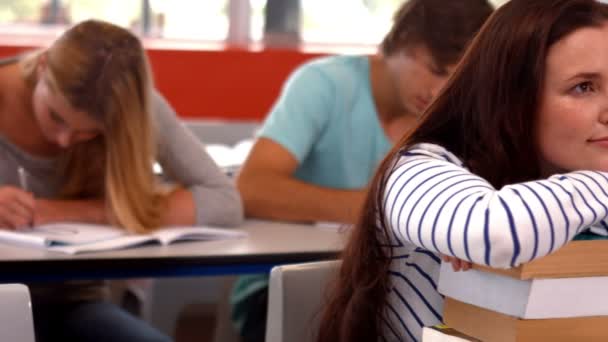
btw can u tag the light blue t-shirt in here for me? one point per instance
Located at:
(326, 117)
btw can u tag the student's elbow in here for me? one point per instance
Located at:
(502, 252)
(232, 214)
(254, 189)
(221, 208)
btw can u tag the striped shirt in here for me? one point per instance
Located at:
(433, 204)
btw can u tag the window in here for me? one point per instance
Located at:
(120, 12)
(358, 22)
(190, 19)
(20, 10)
(366, 23)
(334, 22)
(182, 19)
(21, 16)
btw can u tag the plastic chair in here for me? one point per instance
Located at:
(165, 298)
(16, 321)
(295, 299)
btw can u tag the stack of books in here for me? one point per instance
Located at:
(561, 297)
(443, 333)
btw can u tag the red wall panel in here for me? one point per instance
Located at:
(232, 84)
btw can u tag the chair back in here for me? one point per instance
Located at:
(16, 321)
(295, 298)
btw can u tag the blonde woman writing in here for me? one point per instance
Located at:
(82, 119)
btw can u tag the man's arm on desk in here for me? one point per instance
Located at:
(270, 190)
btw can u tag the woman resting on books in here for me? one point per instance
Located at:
(508, 164)
(84, 122)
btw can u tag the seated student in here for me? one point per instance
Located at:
(83, 120)
(493, 175)
(336, 119)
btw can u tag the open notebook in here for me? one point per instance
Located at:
(73, 238)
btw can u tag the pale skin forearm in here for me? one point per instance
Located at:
(89, 211)
(180, 210)
(279, 197)
(270, 190)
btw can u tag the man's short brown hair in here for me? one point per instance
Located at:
(443, 26)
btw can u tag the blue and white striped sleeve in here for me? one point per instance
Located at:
(438, 205)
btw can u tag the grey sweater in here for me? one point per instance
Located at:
(183, 160)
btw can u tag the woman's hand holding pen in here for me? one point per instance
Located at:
(16, 207)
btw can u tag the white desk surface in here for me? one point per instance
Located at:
(268, 244)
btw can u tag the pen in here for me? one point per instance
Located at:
(23, 178)
(23, 182)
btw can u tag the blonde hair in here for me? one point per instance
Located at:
(102, 70)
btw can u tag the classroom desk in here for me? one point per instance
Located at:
(268, 244)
